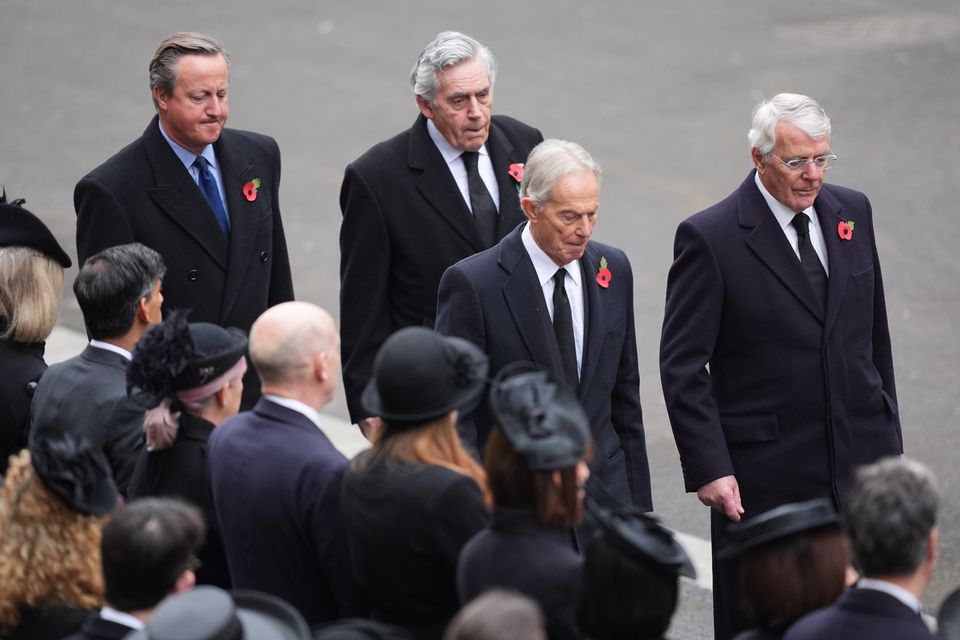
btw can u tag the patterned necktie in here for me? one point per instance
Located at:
(484, 211)
(563, 328)
(208, 185)
(809, 259)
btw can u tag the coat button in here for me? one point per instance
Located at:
(194, 275)
(263, 256)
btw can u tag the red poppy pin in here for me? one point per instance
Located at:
(250, 189)
(516, 171)
(603, 275)
(845, 229)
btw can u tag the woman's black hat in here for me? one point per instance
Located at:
(20, 228)
(77, 472)
(778, 523)
(540, 417)
(420, 375)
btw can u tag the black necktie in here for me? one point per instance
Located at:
(484, 211)
(563, 327)
(809, 259)
(208, 185)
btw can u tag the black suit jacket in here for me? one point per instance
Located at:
(21, 365)
(861, 614)
(86, 396)
(494, 300)
(404, 222)
(276, 481)
(796, 395)
(145, 194)
(96, 628)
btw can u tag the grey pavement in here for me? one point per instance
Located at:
(659, 92)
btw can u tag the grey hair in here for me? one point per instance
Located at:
(163, 64)
(548, 162)
(889, 513)
(498, 613)
(448, 49)
(801, 111)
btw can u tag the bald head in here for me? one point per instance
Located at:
(286, 340)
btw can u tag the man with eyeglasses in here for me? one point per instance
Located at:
(775, 355)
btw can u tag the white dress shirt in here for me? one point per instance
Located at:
(452, 156)
(127, 620)
(784, 215)
(908, 599)
(546, 268)
(295, 405)
(106, 346)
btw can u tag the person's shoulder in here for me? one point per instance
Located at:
(813, 625)
(515, 128)
(250, 140)
(121, 163)
(846, 196)
(387, 153)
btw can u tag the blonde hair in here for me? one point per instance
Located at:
(30, 288)
(49, 554)
(434, 442)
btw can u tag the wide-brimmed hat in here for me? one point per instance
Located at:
(20, 228)
(639, 535)
(419, 374)
(540, 417)
(210, 613)
(778, 523)
(77, 472)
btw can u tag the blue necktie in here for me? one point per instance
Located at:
(208, 185)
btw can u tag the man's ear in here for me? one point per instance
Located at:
(758, 160)
(161, 98)
(424, 107)
(142, 314)
(186, 581)
(320, 364)
(530, 209)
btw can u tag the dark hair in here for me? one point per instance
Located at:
(146, 547)
(513, 484)
(791, 576)
(111, 284)
(622, 596)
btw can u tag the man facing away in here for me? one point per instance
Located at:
(775, 355)
(276, 478)
(419, 202)
(86, 396)
(549, 294)
(203, 196)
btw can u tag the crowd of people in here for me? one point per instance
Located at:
(173, 480)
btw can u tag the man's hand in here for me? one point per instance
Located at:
(722, 494)
(368, 426)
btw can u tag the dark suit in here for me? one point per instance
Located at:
(276, 480)
(796, 395)
(862, 614)
(21, 365)
(494, 299)
(86, 396)
(181, 471)
(404, 222)
(519, 553)
(145, 194)
(97, 628)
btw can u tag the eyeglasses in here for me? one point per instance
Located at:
(799, 164)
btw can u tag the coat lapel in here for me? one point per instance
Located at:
(178, 196)
(768, 242)
(502, 155)
(524, 298)
(828, 211)
(594, 311)
(437, 185)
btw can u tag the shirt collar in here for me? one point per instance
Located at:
(901, 594)
(188, 157)
(447, 150)
(782, 212)
(295, 405)
(99, 344)
(544, 265)
(127, 620)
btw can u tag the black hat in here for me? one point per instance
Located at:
(20, 228)
(361, 629)
(540, 417)
(639, 535)
(419, 374)
(75, 471)
(778, 523)
(210, 613)
(174, 355)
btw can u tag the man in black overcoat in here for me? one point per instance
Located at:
(419, 202)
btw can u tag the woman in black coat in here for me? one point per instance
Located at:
(536, 464)
(411, 502)
(195, 372)
(31, 280)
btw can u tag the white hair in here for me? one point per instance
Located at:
(448, 49)
(548, 162)
(801, 111)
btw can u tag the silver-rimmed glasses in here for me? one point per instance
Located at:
(799, 164)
